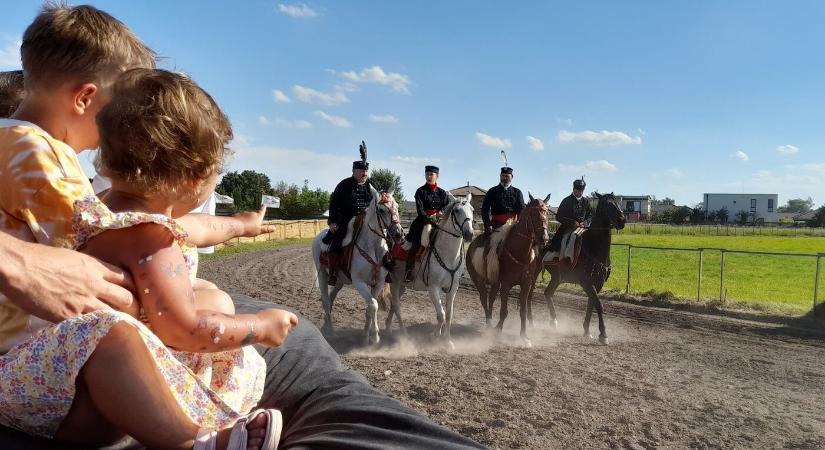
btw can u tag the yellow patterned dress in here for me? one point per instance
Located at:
(42, 180)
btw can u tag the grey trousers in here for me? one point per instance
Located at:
(324, 405)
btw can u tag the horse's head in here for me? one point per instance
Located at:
(536, 216)
(461, 215)
(387, 212)
(609, 211)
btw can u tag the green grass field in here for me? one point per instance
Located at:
(765, 282)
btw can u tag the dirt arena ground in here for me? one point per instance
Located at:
(668, 379)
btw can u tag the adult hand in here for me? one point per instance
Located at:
(488, 230)
(55, 284)
(333, 227)
(252, 222)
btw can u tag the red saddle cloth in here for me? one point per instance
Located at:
(345, 263)
(399, 254)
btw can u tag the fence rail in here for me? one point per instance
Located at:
(755, 275)
(718, 230)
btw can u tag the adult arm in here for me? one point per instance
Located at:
(520, 205)
(55, 284)
(335, 205)
(419, 202)
(206, 230)
(565, 213)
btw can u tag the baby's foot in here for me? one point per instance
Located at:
(256, 433)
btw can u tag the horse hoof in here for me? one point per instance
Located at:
(450, 345)
(554, 324)
(603, 340)
(527, 343)
(588, 336)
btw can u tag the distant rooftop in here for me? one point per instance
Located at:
(469, 189)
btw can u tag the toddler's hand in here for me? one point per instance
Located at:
(277, 323)
(253, 222)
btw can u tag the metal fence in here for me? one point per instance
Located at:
(752, 275)
(719, 230)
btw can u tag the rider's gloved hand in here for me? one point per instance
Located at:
(488, 230)
(333, 227)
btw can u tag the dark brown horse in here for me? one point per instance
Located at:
(593, 267)
(517, 261)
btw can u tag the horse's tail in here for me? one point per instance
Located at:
(382, 299)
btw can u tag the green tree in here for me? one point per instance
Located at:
(385, 180)
(245, 188)
(697, 215)
(299, 202)
(680, 214)
(712, 216)
(742, 217)
(797, 205)
(722, 215)
(819, 218)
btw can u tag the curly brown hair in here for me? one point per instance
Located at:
(161, 132)
(11, 92)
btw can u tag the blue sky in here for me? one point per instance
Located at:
(646, 97)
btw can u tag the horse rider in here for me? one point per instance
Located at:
(574, 211)
(430, 201)
(503, 202)
(350, 198)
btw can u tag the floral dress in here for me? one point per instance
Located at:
(37, 377)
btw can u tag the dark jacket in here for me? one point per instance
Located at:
(427, 202)
(572, 210)
(501, 200)
(348, 200)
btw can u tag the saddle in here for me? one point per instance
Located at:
(400, 251)
(348, 245)
(571, 247)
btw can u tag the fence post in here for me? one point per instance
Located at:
(722, 276)
(699, 283)
(627, 286)
(816, 282)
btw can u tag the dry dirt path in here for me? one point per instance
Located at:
(668, 379)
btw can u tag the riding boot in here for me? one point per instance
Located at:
(409, 276)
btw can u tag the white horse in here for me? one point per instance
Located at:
(367, 270)
(440, 268)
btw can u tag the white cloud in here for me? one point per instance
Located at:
(535, 143)
(241, 140)
(603, 137)
(10, 55)
(793, 175)
(676, 173)
(346, 86)
(398, 82)
(309, 95)
(566, 122)
(263, 120)
(387, 118)
(492, 141)
(299, 10)
(337, 121)
(296, 124)
(279, 96)
(741, 156)
(787, 149)
(599, 166)
(415, 159)
(641, 131)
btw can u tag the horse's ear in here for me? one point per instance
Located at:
(597, 195)
(530, 195)
(547, 199)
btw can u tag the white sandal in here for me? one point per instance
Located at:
(207, 439)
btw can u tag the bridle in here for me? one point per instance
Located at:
(458, 226)
(531, 233)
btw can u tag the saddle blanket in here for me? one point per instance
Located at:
(570, 249)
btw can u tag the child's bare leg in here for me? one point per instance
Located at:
(209, 297)
(121, 372)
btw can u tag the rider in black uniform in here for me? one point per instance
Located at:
(573, 212)
(430, 201)
(503, 202)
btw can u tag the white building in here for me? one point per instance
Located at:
(635, 207)
(759, 207)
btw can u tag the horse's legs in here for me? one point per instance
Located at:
(449, 313)
(589, 312)
(504, 290)
(371, 322)
(481, 286)
(524, 302)
(396, 290)
(326, 300)
(594, 299)
(435, 297)
(491, 300)
(549, 291)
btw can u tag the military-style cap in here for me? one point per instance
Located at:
(507, 170)
(432, 169)
(579, 184)
(362, 165)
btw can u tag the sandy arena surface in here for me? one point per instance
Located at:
(668, 379)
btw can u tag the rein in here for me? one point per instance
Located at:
(434, 251)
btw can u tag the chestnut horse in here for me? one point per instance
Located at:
(517, 261)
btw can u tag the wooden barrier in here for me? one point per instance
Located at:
(285, 229)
